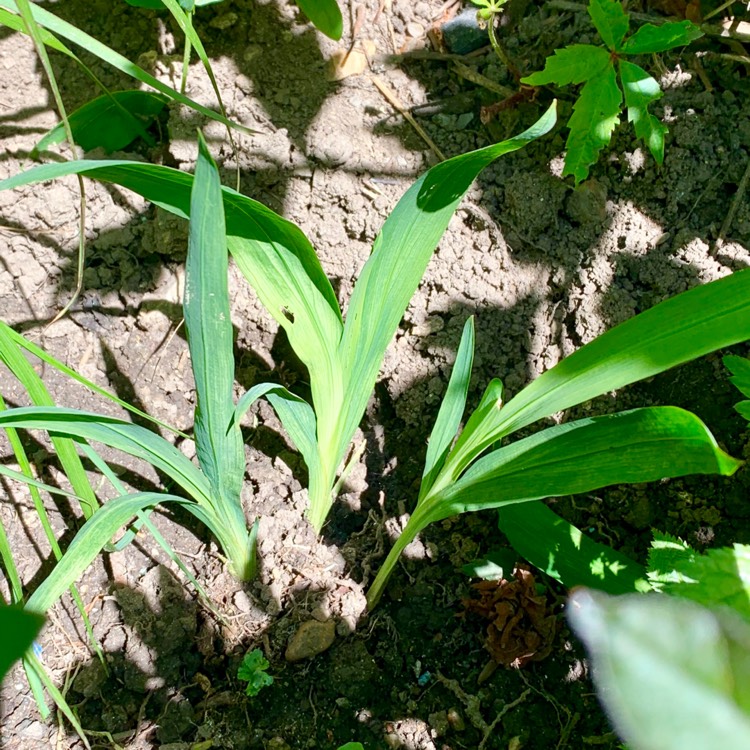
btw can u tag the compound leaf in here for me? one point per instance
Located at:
(650, 38)
(721, 576)
(640, 90)
(740, 369)
(574, 64)
(595, 115)
(611, 21)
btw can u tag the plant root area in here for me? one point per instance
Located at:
(439, 664)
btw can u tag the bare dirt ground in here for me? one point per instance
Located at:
(543, 268)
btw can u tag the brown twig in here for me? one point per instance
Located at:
(396, 103)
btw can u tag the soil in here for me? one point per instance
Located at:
(543, 267)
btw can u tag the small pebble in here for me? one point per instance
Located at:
(456, 720)
(415, 29)
(312, 638)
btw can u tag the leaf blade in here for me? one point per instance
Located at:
(611, 21)
(650, 39)
(640, 91)
(574, 64)
(325, 16)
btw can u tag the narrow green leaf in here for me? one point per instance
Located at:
(62, 28)
(130, 438)
(325, 15)
(66, 451)
(90, 540)
(29, 346)
(19, 628)
(210, 334)
(640, 90)
(671, 674)
(574, 64)
(15, 22)
(563, 552)
(595, 115)
(295, 414)
(649, 38)
(642, 445)
(398, 261)
(611, 21)
(451, 409)
(677, 330)
(109, 121)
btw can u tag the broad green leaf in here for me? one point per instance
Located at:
(574, 64)
(325, 15)
(677, 330)
(611, 21)
(89, 542)
(56, 25)
(210, 335)
(451, 409)
(595, 115)
(718, 577)
(110, 121)
(640, 90)
(650, 38)
(672, 675)
(398, 261)
(642, 445)
(352, 746)
(125, 436)
(19, 628)
(637, 446)
(563, 552)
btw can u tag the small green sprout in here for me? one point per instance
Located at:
(253, 671)
(489, 8)
(599, 104)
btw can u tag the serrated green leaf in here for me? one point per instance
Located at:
(718, 577)
(611, 21)
(325, 16)
(650, 38)
(672, 675)
(666, 554)
(574, 64)
(563, 552)
(451, 409)
(640, 90)
(110, 121)
(740, 369)
(252, 671)
(595, 115)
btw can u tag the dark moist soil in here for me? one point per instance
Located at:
(543, 267)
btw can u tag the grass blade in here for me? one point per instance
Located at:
(210, 334)
(398, 261)
(62, 28)
(451, 409)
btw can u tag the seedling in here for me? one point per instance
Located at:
(597, 110)
(253, 672)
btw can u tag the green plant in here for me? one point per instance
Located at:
(597, 110)
(324, 14)
(253, 672)
(342, 357)
(635, 446)
(19, 628)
